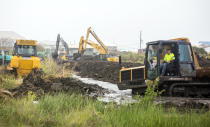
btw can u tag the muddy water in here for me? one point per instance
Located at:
(125, 96)
(114, 95)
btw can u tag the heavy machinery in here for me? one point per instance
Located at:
(62, 57)
(184, 77)
(24, 58)
(103, 49)
(5, 58)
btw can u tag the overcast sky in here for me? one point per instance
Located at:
(114, 21)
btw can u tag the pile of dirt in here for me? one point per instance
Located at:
(100, 70)
(39, 83)
(203, 62)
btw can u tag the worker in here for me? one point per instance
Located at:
(64, 58)
(168, 58)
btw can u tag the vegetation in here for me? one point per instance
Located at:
(50, 67)
(67, 109)
(132, 57)
(40, 48)
(199, 51)
(8, 80)
(71, 109)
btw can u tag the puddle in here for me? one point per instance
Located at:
(115, 95)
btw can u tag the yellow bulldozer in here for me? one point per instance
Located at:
(24, 58)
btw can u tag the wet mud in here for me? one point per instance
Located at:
(100, 70)
(184, 104)
(40, 84)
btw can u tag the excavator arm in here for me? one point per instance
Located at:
(60, 39)
(65, 46)
(55, 54)
(96, 46)
(89, 31)
(82, 48)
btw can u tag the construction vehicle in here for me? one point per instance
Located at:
(64, 56)
(101, 47)
(24, 58)
(183, 77)
(5, 58)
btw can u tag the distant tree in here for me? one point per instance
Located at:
(199, 51)
(40, 48)
(6, 43)
(132, 57)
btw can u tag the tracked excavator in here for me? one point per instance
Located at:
(183, 77)
(64, 56)
(103, 50)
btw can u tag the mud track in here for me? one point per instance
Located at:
(40, 84)
(100, 70)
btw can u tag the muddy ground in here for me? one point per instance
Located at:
(100, 70)
(109, 71)
(40, 84)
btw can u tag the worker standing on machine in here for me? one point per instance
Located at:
(168, 58)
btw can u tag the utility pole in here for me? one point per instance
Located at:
(140, 39)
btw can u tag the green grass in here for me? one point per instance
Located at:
(8, 80)
(50, 67)
(75, 110)
(67, 109)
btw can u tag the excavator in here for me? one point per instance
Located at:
(103, 50)
(24, 58)
(183, 77)
(62, 57)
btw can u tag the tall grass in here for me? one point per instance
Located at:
(67, 109)
(133, 57)
(51, 68)
(9, 80)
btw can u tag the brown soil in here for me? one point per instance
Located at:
(100, 70)
(38, 83)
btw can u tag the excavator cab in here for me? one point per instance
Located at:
(183, 64)
(183, 76)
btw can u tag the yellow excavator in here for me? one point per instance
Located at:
(24, 58)
(103, 50)
(184, 76)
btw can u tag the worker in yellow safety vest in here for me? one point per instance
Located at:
(64, 58)
(168, 58)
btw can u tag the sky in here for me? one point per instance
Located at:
(117, 22)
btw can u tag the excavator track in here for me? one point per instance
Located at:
(195, 89)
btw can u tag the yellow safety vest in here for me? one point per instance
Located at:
(64, 57)
(169, 57)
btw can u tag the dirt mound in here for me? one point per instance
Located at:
(100, 70)
(203, 62)
(38, 83)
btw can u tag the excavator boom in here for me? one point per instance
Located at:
(96, 46)
(97, 38)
